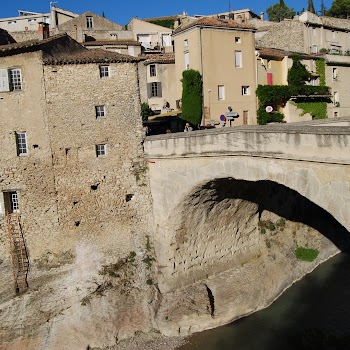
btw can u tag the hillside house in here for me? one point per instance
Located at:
(153, 38)
(223, 52)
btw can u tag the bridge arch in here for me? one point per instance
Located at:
(240, 182)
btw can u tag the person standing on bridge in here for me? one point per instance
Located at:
(188, 127)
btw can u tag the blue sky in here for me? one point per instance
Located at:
(121, 11)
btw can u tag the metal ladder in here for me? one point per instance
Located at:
(19, 252)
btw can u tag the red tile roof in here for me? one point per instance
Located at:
(112, 42)
(29, 44)
(159, 58)
(90, 56)
(278, 53)
(214, 22)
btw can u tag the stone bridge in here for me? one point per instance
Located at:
(211, 187)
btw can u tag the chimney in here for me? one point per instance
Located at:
(262, 15)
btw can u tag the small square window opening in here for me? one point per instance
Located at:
(245, 90)
(89, 22)
(15, 79)
(104, 71)
(101, 150)
(100, 111)
(152, 70)
(21, 140)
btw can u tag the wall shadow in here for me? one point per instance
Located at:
(283, 201)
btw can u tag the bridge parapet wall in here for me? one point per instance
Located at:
(321, 143)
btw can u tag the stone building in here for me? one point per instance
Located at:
(222, 51)
(90, 27)
(322, 37)
(33, 25)
(309, 33)
(124, 46)
(72, 169)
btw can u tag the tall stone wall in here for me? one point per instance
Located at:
(93, 192)
(27, 35)
(30, 175)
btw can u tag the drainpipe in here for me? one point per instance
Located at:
(200, 42)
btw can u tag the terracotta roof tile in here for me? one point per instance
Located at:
(90, 56)
(28, 44)
(160, 58)
(112, 42)
(279, 53)
(214, 22)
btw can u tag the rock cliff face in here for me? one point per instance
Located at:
(234, 251)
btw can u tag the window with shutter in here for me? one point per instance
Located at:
(149, 95)
(159, 89)
(154, 90)
(238, 59)
(16, 79)
(4, 80)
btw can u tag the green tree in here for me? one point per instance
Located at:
(311, 7)
(192, 96)
(146, 111)
(323, 9)
(279, 11)
(297, 74)
(340, 9)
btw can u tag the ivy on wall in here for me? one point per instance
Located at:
(318, 110)
(280, 94)
(321, 71)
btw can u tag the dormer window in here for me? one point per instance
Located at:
(89, 22)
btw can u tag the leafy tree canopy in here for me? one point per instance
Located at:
(311, 7)
(297, 74)
(279, 11)
(323, 9)
(340, 9)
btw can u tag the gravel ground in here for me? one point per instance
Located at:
(149, 341)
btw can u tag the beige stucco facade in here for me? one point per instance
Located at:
(211, 51)
(162, 73)
(338, 78)
(151, 36)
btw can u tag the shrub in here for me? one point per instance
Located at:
(148, 260)
(146, 111)
(297, 74)
(265, 117)
(306, 254)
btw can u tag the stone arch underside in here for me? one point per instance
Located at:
(234, 240)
